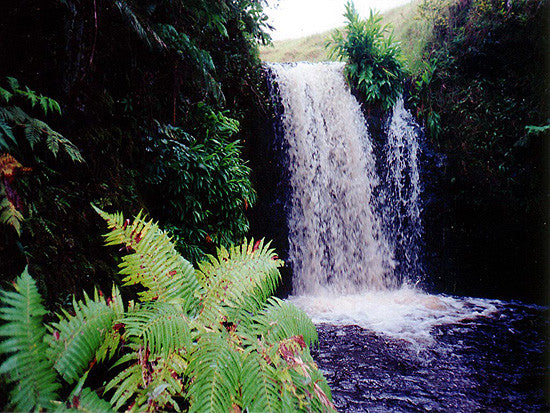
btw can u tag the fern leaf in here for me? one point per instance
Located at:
(216, 369)
(55, 141)
(26, 365)
(155, 263)
(150, 380)
(76, 339)
(5, 95)
(9, 214)
(239, 279)
(6, 132)
(34, 130)
(260, 384)
(161, 327)
(280, 320)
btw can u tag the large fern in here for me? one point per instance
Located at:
(154, 262)
(235, 341)
(200, 341)
(78, 339)
(34, 378)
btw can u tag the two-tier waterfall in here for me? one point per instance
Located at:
(345, 236)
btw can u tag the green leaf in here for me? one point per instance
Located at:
(26, 364)
(76, 339)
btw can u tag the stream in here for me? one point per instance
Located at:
(493, 363)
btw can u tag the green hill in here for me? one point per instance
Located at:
(312, 48)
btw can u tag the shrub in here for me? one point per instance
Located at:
(373, 65)
(205, 339)
(203, 184)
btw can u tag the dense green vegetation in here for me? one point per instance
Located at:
(204, 340)
(141, 86)
(153, 106)
(482, 91)
(373, 67)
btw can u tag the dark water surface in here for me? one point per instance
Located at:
(488, 364)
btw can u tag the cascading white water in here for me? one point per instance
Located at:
(336, 243)
(354, 226)
(400, 196)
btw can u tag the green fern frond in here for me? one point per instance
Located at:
(161, 327)
(280, 320)
(216, 368)
(26, 365)
(6, 95)
(150, 380)
(78, 339)
(56, 141)
(154, 263)
(34, 130)
(113, 337)
(260, 383)
(239, 278)
(6, 132)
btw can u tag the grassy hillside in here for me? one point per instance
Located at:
(312, 48)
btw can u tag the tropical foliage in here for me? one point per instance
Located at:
(479, 99)
(204, 184)
(198, 340)
(117, 70)
(372, 57)
(13, 119)
(21, 134)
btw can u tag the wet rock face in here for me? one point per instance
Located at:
(492, 364)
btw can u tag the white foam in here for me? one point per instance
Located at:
(407, 313)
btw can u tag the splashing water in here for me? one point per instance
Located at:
(355, 242)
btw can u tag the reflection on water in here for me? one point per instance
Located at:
(493, 361)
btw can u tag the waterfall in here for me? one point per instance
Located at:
(353, 210)
(344, 236)
(352, 227)
(400, 195)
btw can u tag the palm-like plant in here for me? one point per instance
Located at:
(206, 339)
(372, 57)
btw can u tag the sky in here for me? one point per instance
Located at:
(298, 18)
